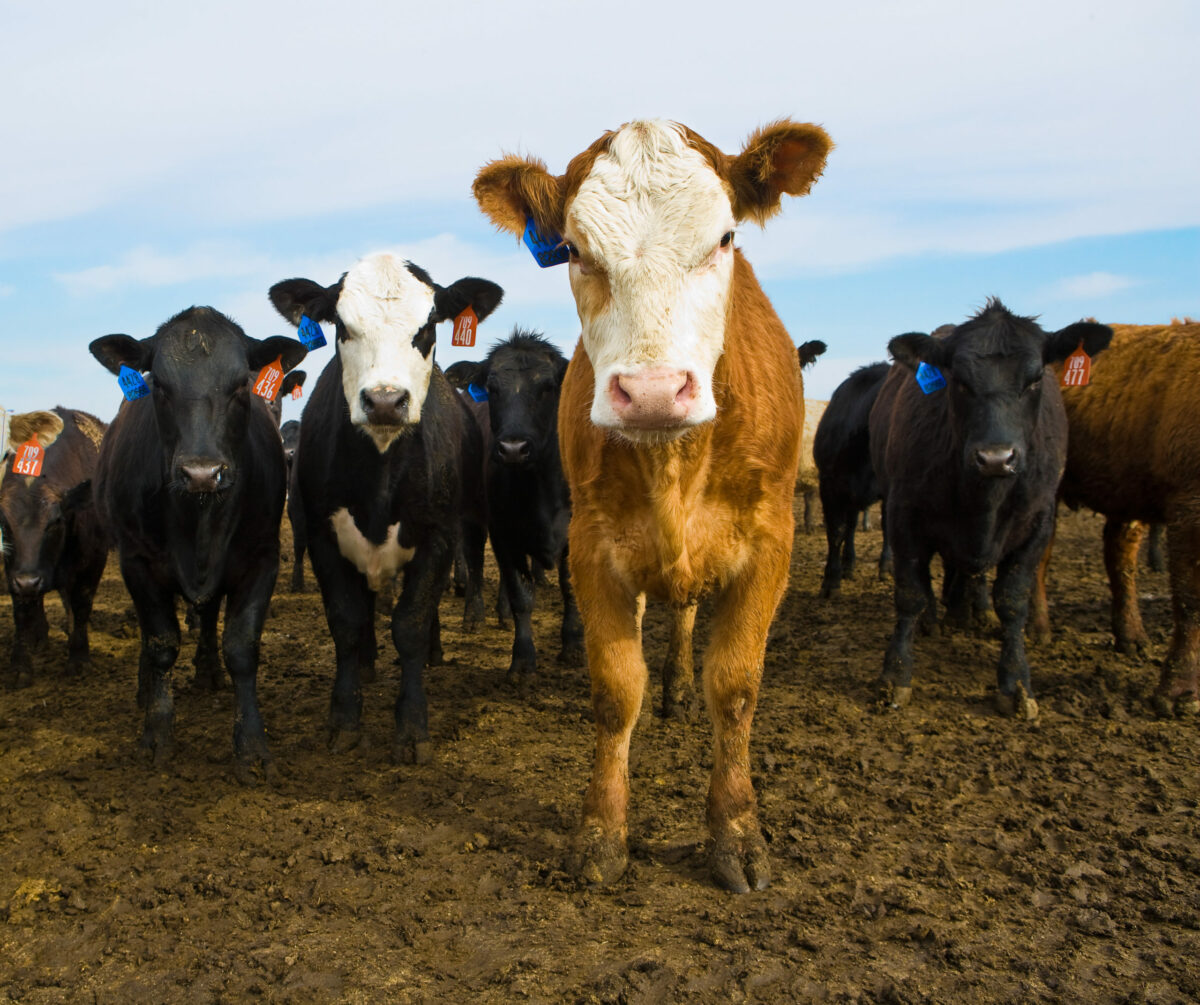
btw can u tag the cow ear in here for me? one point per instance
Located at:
(466, 372)
(915, 348)
(784, 158)
(46, 426)
(292, 381)
(1092, 336)
(295, 298)
(260, 352)
(77, 496)
(809, 352)
(115, 351)
(481, 295)
(514, 189)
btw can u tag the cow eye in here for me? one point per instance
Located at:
(727, 240)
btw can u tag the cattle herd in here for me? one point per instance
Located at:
(659, 462)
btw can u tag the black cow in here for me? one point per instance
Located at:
(841, 450)
(388, 454)
(190, 484)
(53, 538)
(529, 505)
(970, 471)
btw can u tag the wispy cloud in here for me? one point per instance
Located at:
(1091, 286)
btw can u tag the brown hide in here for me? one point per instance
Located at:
(1134, 455)
(807, 479)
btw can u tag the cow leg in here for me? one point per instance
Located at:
(1121, 542)
(849, 556)
(612, 633)
(349, 610)
(679, 688)
(1154, 553)
(1178, 690)
(809, 511)
(473, 539)
(78, 601)
(207, 662)
(245, 612)
(571, 633)
(1010, 594)
(412, 627)
(835, 536)
(518, 586)
(159, 624)
(733, 666)
(913, 594)
(29, 629)
(866, 518)
(885, 550)
(1038, 625)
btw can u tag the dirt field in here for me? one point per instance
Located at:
(937, 854)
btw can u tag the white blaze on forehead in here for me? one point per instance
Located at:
(380, 563)
(647, 220)
(383, 306)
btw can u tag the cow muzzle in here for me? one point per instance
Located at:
(514, 451)
(203, 474)
(25, 584)
(385, 406)
(658, 398)
(996, 461)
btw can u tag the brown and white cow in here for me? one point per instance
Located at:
(680, 426)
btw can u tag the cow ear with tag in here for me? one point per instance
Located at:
(116, 351)
(260, 352)
(915, 348)
(296, 299)
(514, 190)
(1089, 336)
(481, 295)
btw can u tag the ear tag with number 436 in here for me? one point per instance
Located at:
(465, 326)
(930, 378)
(1077, 370)
(266, 385)
(132, 384)
(29, 458)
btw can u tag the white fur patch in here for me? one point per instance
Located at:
(382, 306)
(380, 563)
(648, 221)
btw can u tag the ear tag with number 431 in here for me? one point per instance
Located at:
(465, 326)
(29, 458)
(547, 251)
(132, 384)
(266, 385)
(1077, 370)
(930, 378)
(310, 333)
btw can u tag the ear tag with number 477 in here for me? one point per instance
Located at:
(465, 326)
(1077, 370)
(266, 385)
(930, 378)
(132, 384)
(547, 251)
(29, 458)
(310, 333)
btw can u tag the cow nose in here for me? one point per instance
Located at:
(26, 584)
(654, 398)
(385, 406)
(996, 462)
(513, 451)
(203, 476)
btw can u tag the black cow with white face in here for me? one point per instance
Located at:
(190, 483)
(389, 472)
(529, 504)
(970, 471)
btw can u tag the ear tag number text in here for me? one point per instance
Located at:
(310, 333)
(132, 384)
(29, 458)
(930, 378)
(269, 378)
(465, 326)
(547, 251)
(1077, 369)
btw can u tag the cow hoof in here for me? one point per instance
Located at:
(207, 680)
(410, 750)
(679, 707)
(893, 696)
(20, 679)
(1167, 706)
(250, 772)
(1019, 705)
(366, 673)
(741, 864)
(572, 654)
(78, 667)
(1137, 647)
(344, 739)
(597, 858)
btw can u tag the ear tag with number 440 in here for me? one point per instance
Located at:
(132, 384)
(1077, 370)
(310, 333)
(930, 378)
(29, 458)
(465, 326)
(547, 251)
(266, 385)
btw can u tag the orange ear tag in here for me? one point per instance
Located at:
(29, 458)
(297, 392)
(1077, 370)
(269, 379)
(464, 328)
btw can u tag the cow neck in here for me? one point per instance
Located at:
(199, 531)
(370, 495)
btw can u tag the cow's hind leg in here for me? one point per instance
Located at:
(679, 687)
(571, 652)
(207, 661)
(1121, 543)
(912, 598)
(1178, 690)
(733, 666)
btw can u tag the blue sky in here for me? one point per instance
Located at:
(166, 155)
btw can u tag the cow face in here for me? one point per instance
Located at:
(289, 432)
(523, 377)
(647, 214)
(995, 371)
(36, 521)
(386, 312)
(200, 364)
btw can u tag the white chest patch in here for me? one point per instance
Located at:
(378, 562)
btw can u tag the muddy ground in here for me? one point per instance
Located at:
(937, 854)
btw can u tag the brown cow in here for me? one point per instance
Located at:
(679, 425)
(1134, 455)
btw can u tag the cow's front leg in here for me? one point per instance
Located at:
(245, 612)
(679, 688)
(518, 587)
(612, 633)
(733, 667)
(155, 606)
(349, 608)
(413, 624)
(29, 617)
(912, 597)
(1011, 595)
(78, 599)
(471, 546)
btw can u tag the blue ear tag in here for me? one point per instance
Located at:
(477, 393)
(930, 378)
(548, 251)
(310, 333)
(132, 384)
